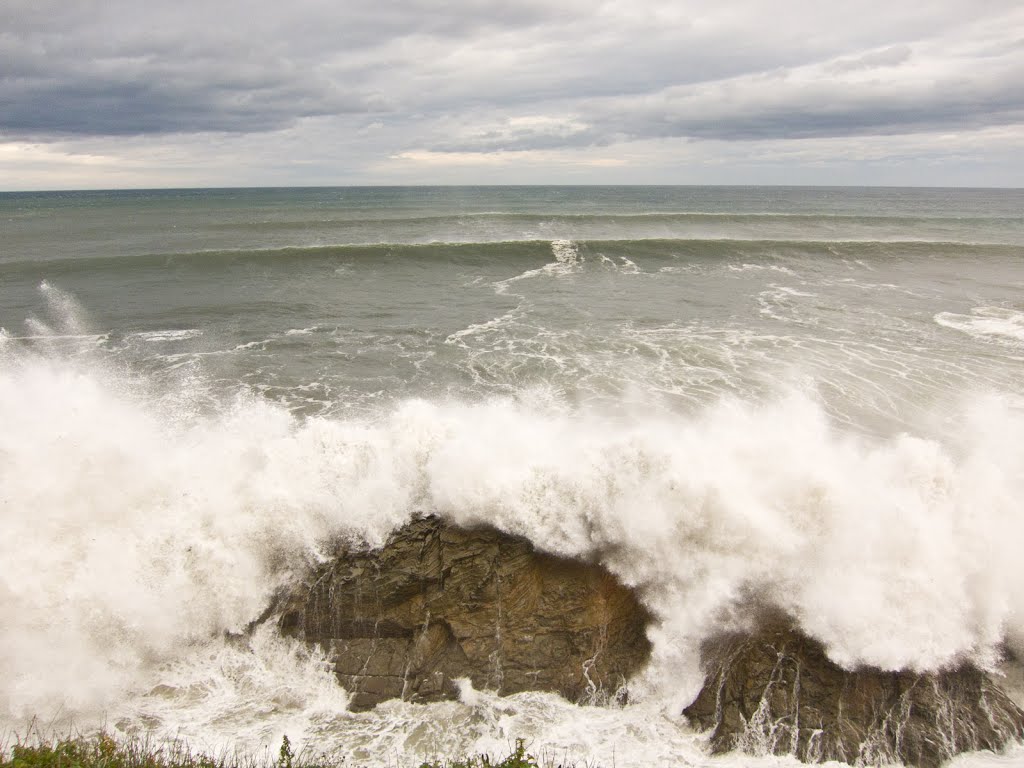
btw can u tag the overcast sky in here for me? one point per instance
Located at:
(123, 93)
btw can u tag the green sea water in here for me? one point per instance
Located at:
(329, 299)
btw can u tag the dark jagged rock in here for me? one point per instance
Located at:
(439, 602)
(776, 692)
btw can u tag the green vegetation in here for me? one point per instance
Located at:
(519, 758)
(104, 751)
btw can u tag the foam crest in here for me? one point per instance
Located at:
(167, 335)
(999, 322)
(567, 261)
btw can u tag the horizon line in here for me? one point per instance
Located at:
(503, 186)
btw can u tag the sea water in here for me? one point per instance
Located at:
(734, 398)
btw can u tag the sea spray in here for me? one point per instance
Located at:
(135, 526)
(133, 531)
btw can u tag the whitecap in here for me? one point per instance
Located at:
(166, 335)
(567, 261)
(986, 322)
(760, 268)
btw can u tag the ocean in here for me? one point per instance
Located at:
(809, 399)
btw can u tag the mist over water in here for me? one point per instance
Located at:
(817, 410)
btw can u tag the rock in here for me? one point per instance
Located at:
(776, 692)
(439, 603)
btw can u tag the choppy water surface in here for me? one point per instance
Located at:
(810, 398)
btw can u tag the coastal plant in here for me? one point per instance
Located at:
(106, 751)
(285, 755)
(518, 758)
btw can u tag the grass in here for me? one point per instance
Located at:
(518, 758)
(104, 751)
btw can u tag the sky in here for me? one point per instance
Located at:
(127, 94)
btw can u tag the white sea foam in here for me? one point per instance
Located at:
(244, 699)
(566, 252)
(487, 326)
(259, 344)
(629, 267)
(567, 261)
(760, 268)
(45, 335)
(623, 265)
(986, 322)
(137, 530)
(777, 302)
(168, 335)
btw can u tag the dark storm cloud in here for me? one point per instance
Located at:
(475, 76)
(112, 74)
(119, 68)
(125, 105)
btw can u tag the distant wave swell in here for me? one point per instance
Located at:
(521, 251)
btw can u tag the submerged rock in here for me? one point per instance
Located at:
(439, 603)
(776, 692)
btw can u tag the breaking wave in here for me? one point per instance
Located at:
(141, 526)
(527, 249)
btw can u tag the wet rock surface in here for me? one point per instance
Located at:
(438, 603)
(776, 692)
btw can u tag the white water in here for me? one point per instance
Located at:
(567, 261)
(139, 527)
(983, 322)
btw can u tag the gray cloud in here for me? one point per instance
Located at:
(890, 57)
(180, 69)
(124, 104)
(483, 76)
(945, 84)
